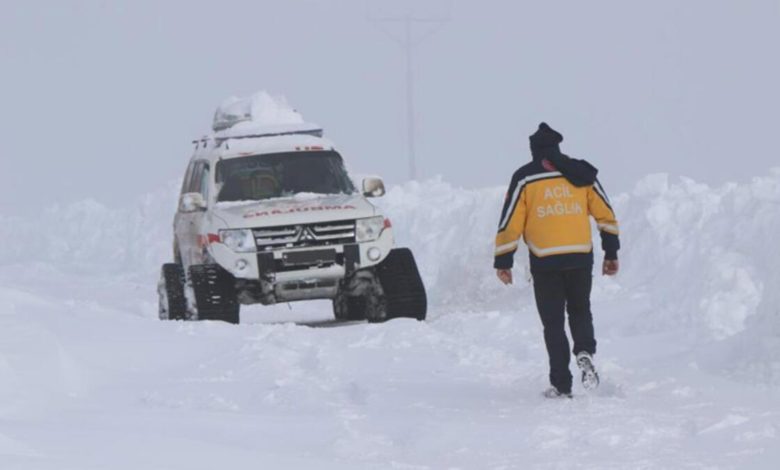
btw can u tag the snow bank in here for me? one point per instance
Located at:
(706, 259)
(697, 298)
(451, 231)
(89, 237)
(705, 254)
(698, 257)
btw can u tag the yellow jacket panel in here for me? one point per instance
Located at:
(552, 215)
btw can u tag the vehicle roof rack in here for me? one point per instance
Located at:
(312, 132)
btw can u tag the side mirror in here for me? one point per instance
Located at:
(192, 202)
(373, 187)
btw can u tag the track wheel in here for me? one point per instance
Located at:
(402, 285)
(361, 299)
(215, 293)
(170, 289)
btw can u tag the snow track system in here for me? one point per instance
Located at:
(402, 285)
(173, 303)
(215, 293)
(393, 289)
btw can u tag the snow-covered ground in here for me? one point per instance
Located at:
(689, 339)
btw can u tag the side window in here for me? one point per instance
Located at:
(195, 179)
(185, 185)
(204, 181)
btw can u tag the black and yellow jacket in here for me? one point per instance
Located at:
(549, 204)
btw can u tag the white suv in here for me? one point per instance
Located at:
(269, 214)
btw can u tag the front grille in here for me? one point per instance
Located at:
(299, 236)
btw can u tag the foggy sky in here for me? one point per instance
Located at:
(101, 99)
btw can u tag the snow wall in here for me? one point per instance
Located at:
(700, 258)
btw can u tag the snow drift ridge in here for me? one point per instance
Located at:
(699, 257)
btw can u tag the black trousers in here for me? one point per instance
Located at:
(558, 292)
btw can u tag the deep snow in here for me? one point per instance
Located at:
(689, 336)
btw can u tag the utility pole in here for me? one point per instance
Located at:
(408, 43)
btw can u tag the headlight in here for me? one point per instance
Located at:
(368, 230)
(239, 240)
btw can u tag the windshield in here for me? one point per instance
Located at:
(281, 175)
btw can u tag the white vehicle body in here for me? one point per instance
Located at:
(302, 245)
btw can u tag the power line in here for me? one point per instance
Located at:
(408, 43)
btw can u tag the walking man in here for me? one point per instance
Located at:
(549, 204)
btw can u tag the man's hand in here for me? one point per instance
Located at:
(505, 276)
(611, 267)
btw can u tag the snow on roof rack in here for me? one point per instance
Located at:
(259, 132)
(259, 109)
(257, 116)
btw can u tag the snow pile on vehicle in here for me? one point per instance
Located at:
(258, 110)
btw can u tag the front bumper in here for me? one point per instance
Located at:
(288, 266)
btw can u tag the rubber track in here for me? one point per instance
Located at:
(174, 286)
(215, 293)
(402, 285)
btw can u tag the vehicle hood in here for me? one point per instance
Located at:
(296, 210)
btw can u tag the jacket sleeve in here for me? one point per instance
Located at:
(601, 210)
(511, 226)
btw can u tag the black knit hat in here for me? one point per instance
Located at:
(545, 140)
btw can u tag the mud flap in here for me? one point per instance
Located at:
(215, 293)
(402, 285)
